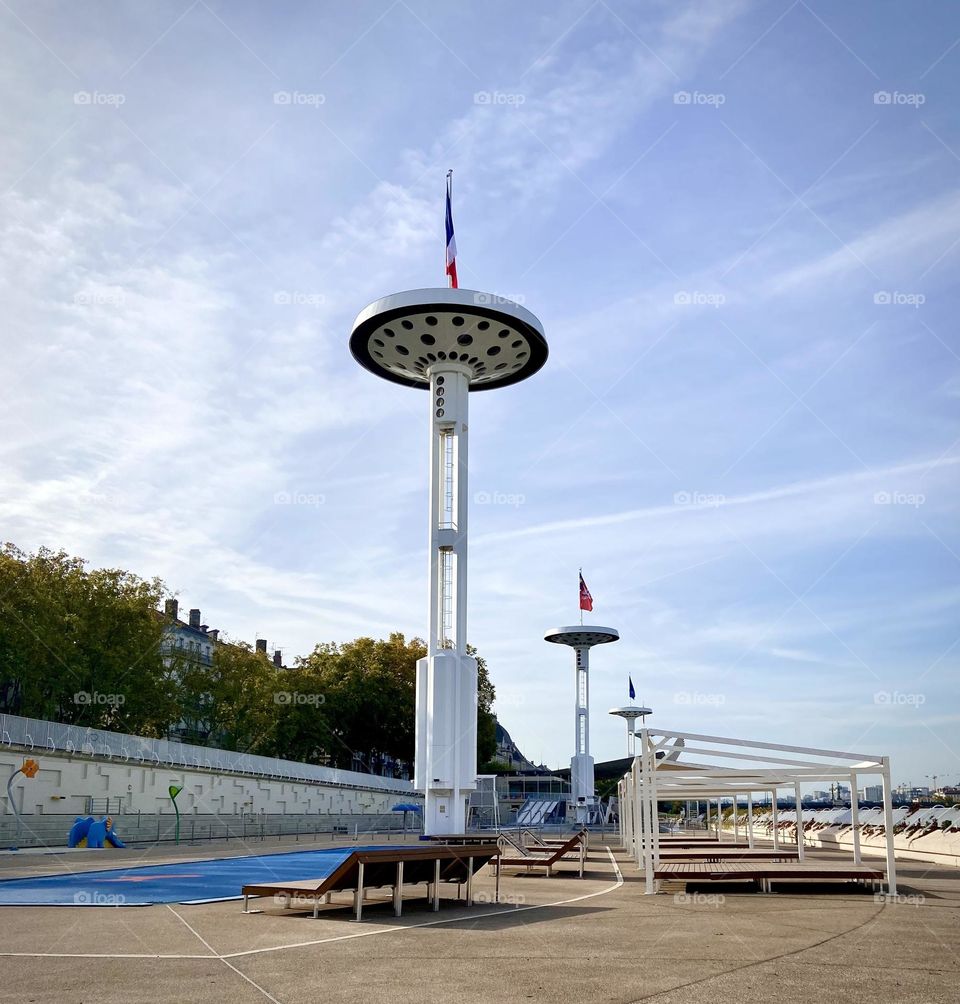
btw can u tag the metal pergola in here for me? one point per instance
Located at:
(753, 768)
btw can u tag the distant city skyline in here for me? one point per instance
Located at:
(739, 223)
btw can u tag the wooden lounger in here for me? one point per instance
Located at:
(390, 867)
(548, 860)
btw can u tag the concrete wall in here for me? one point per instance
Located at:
(64, 784)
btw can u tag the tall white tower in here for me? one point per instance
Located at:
(450, 342)
(581, 638)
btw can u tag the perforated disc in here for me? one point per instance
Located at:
(398, 337)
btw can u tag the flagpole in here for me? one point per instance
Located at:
(449, 200)
(580, 604)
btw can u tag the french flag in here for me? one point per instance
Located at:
(451, 239)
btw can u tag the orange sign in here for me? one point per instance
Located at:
(30, 768)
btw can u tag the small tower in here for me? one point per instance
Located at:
(631, 713)
(581, 638)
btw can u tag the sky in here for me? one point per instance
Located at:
(739, 224)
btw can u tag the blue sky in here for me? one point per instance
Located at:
(738, 223)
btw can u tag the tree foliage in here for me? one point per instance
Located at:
(85, 647)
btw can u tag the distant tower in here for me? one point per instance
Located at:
(450, 342)
(581, 638)
(631, 713)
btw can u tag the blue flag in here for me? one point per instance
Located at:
(633, 693)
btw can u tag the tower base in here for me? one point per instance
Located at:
(446, 743)
(581, 786)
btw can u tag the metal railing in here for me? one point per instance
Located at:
(35, 736)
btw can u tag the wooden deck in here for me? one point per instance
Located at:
(728, 854)
(765, 872)
(378, 868)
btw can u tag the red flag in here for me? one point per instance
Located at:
(586, 600)
(451, 240)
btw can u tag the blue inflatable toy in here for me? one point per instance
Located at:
(88, 832)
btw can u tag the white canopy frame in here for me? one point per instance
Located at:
(652, 779)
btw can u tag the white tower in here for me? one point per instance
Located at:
(450, 342)
(631, 713)
(582, 638)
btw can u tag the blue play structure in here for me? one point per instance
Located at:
(90, 832)
(182, 882)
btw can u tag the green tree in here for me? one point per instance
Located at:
(82, 647)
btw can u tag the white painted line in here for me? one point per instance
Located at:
(324, 941)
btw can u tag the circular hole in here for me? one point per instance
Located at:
(440, 380)
(439, 412)
(389, 333)
(483, 325)
(379, 355)
(494, 350)
(406, 325)
(379, 342)
(472, 360)
(431, 320)
(464, 339)
(432, 359)
(500, 366)
(442, 355)
(457, 322)
(503, 334)
(403, 350)
(453, 355)
(516, 344)
(428, 340)
(439, 402)
(521, 355)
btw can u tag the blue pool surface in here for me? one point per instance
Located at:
(181, 882)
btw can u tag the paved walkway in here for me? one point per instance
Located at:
(595, 939)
